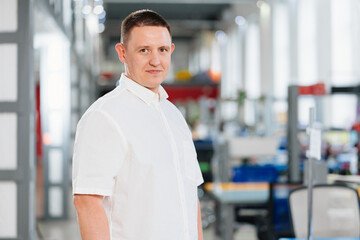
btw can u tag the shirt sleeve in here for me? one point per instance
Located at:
(198, 175)
(190, 153)
(99, 151)
(200, 179)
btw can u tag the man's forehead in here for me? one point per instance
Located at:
(155, 34)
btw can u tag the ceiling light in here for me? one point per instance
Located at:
(221, 36)
(86, 10)
(259, 3)
(101, 28)
(98, 9)
(240, 20)
(102, 15)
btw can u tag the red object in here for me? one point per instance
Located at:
(107, 75)
(316, 89)
(356, 127)
(190, 92)
(39, 149)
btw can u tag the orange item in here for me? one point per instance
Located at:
(231, 186)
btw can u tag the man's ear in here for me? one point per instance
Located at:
(120, 49)
(172, 47)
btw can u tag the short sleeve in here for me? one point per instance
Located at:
(99, 151)
(192, 170)
(199, 176)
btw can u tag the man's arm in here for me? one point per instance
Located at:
(92, 218)
(199, 223)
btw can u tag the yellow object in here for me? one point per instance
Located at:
(183, 75)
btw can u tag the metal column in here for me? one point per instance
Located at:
(292, 135)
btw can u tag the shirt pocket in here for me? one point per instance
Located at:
(192, 169)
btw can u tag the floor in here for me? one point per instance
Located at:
(68, 230)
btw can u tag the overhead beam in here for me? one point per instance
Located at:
(179, 28)
(183, 1)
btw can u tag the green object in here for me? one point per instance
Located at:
(241, 97)
(204, 167)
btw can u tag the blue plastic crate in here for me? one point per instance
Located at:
(253, 173)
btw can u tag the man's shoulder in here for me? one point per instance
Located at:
(111, 100)
(170, 106)
(108, 103)
(173, 110)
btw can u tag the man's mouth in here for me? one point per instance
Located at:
(153, 71)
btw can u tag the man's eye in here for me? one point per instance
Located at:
(163, 50)
(144, 50)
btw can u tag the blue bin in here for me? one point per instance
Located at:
(254, 173)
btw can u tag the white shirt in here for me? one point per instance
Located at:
(134, 147)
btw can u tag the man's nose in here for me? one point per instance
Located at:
(154, 59)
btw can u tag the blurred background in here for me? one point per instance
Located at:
(244, 74)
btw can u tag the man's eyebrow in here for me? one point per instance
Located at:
(146, 47)
(143, 46)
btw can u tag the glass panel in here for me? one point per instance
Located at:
(344, 111)
(55, 91)
(74, 121)
(8, 141)
(71, 147)
(307, 36)
(85, 101)
(8, 16)
(74, 97)
(232, 74)
(55, 166)
(8, 209)
(229, 111)
(55, 201)
(67, 13)
(304, 104)
(56, 128)
(252, 61)
(345, 46)
(281, 50)
(250, 112)
(8, 70)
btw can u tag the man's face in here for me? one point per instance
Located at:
(147, 55)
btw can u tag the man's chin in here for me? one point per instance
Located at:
(155, 82)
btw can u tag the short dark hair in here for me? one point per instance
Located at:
(141, 18)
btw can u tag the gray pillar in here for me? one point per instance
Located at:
(292, 135)
(17, 168)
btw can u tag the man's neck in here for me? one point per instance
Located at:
(155, 90)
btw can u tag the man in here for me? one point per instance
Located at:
(135, 172)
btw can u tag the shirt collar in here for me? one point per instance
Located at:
(142, 92)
